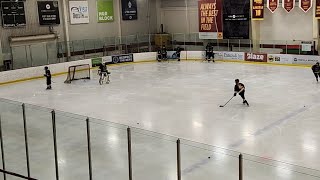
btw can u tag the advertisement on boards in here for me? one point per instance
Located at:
(122, 58)
(79, 12)
(301, 59)
(233, 56)
(280, 58)
(210, 19)
(256, 57)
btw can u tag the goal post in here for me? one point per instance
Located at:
(81, 71)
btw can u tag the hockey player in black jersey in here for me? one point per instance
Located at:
(316, 70)
(159, 55)
(178, 53)
(164, 52)
(211, 53)
(207, 51)
(48, 77)
(240, 88)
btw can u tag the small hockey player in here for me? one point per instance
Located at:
(178, 52)
(48, 77)
(103, 71)
(164, 52)
(211, 53)
(316, 70)
(239, 88)
(207, 51)
(159, 54)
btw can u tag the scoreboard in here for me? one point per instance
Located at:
(13, 13)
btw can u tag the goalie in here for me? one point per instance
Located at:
(103, 73)
(209, 52)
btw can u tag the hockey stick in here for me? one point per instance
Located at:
(226, 102)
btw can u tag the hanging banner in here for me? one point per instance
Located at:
(236, 19)
(129, 9)
(105, 11)
(210, 19)
(13, 14)
(48, 12)
(79, 12)
(288, 5)
(317, 14)
(257, 9)
(272, 5)
(305, 5)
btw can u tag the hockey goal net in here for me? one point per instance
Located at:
(77, 72)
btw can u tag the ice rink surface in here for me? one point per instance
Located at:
(182, 99)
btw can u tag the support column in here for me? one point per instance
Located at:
(66, 26)
(159, 14)
(315, 27)
(255, 32)
(1, 55)
(187, 17)
(119, 15)
(255, 35)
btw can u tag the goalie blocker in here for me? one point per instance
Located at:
(77, 72)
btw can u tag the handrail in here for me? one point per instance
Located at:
(16, 175)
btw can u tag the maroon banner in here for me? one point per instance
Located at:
(256, 57)
(257, 9)
(305, 5)
(317, 9)
(210, 19)
(272, 5)
(288, 5)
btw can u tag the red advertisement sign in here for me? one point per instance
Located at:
(272, 5)
(288, 5)
(305, 5)
(257, 9)
(256, 57)
(317, 14)
(210, 18)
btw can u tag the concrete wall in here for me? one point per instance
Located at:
(32, 27)
(92, 30)
(281, 25)
(296, 25)
(95, 30)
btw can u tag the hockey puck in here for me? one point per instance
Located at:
(209, 157)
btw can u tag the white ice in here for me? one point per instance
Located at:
(182, 99)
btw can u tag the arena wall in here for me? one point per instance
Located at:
(182, 17)
(61, 68)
